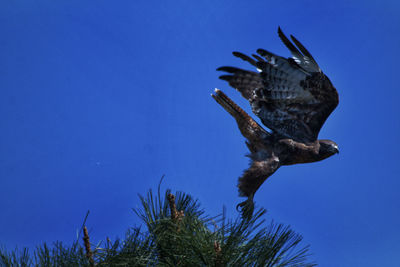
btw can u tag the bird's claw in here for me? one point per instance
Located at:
(246, 208)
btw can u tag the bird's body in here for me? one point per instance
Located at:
(293, 98)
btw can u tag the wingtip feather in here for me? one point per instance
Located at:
(225, 77)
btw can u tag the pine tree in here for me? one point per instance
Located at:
(178, 233)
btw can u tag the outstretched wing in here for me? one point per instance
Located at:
(291, 96)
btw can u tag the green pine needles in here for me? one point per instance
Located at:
(178, 233)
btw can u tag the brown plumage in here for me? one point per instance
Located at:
(293, 98)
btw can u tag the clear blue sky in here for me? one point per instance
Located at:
(98, 99)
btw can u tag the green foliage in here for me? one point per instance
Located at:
(57, 255)
(175, 238)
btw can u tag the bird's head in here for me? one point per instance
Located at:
(328, 148)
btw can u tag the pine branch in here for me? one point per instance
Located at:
(178, 234)
(218, 252)
(89, 253)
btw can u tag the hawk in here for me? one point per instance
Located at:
(293, 98)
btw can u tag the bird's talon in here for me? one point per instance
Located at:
(246, 208)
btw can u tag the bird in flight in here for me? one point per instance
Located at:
(293, 98)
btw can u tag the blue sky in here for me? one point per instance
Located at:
(99, 99)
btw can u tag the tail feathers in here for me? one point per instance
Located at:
(249, 128)
(232, 108)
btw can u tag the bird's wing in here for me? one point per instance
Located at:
(291, 96)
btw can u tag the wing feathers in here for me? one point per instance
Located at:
(303, 58)
(245, 58)
(291, 96)
(258, 58)
(277, 61)
(242, 80)
(295, 52)
(304, 50)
